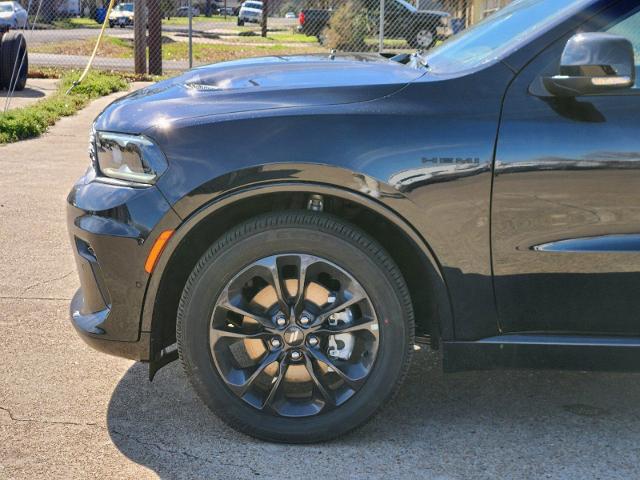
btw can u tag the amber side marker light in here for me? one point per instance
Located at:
(156, 250)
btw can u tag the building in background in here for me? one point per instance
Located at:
(468, 12)
(483, 8)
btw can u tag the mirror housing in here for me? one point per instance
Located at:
(594, 63)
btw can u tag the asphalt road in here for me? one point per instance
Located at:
(59, 35)
(35, 37)
(69, 412)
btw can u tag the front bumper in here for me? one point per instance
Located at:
(112, 229)
(121, 20)
(88, 327)
(248, 18)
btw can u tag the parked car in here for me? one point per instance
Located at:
(122, 15)
(230, 11)
(290, 15)
(420, 28)
(12, 14)
(184, 11)
(68, 8)
(250, 12)
(481, 198)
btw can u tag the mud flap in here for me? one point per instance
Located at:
(161, 359)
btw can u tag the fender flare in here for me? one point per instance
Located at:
(212, 206)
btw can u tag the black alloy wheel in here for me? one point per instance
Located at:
(295, 327)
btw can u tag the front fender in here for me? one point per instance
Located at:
(421, 153)
(370, 195)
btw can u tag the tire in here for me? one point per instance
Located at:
(110, 24)
(12, 48)
(240, 23)
(338, 244)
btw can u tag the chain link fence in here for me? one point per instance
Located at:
(62, 33)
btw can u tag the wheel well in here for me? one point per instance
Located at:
(425, 286)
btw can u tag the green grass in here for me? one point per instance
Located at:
(115, 47)
(272, 37)
(33, 120)
(211, 53)
(68, 23)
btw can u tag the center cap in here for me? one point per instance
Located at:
(294, 336)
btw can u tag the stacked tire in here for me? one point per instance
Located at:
(14, 61)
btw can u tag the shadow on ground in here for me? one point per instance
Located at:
(503, 424)
(26, 93)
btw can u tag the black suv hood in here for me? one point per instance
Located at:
(257, 84)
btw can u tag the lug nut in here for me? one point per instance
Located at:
(333, 353)
(275, 343)
(305, 320)
(313, 341)
(295, 355)
(281, 321)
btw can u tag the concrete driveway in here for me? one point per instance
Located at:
(69, 412)
(36, 89)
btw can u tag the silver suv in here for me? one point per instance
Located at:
(250, 12)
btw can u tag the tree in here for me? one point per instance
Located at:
(348, 28)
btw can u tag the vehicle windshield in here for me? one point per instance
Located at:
(504, 31)
(125, 7)
(6, 8)
(253, 5)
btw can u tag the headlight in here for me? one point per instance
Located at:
(131, 158)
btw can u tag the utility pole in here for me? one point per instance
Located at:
(139, 37)
(155, 37)
(265, 15)
(190, 35)
(381, 32)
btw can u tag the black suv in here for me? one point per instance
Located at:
(290, 227)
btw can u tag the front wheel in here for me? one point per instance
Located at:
(240, 23)
(295, 327)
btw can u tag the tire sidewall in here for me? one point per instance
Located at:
(197, 307)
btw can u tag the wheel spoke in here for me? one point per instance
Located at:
(225, 303)
(330, 400)
(305, 262)
(271, 264)
(267, 360)
(370, 325)
(356, 298)
(223, 332)
(282, 370)
(354, 383)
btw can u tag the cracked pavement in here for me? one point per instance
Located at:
(69, 412)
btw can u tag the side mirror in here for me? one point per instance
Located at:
(594, 63)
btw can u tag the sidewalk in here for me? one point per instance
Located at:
(36, 89)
